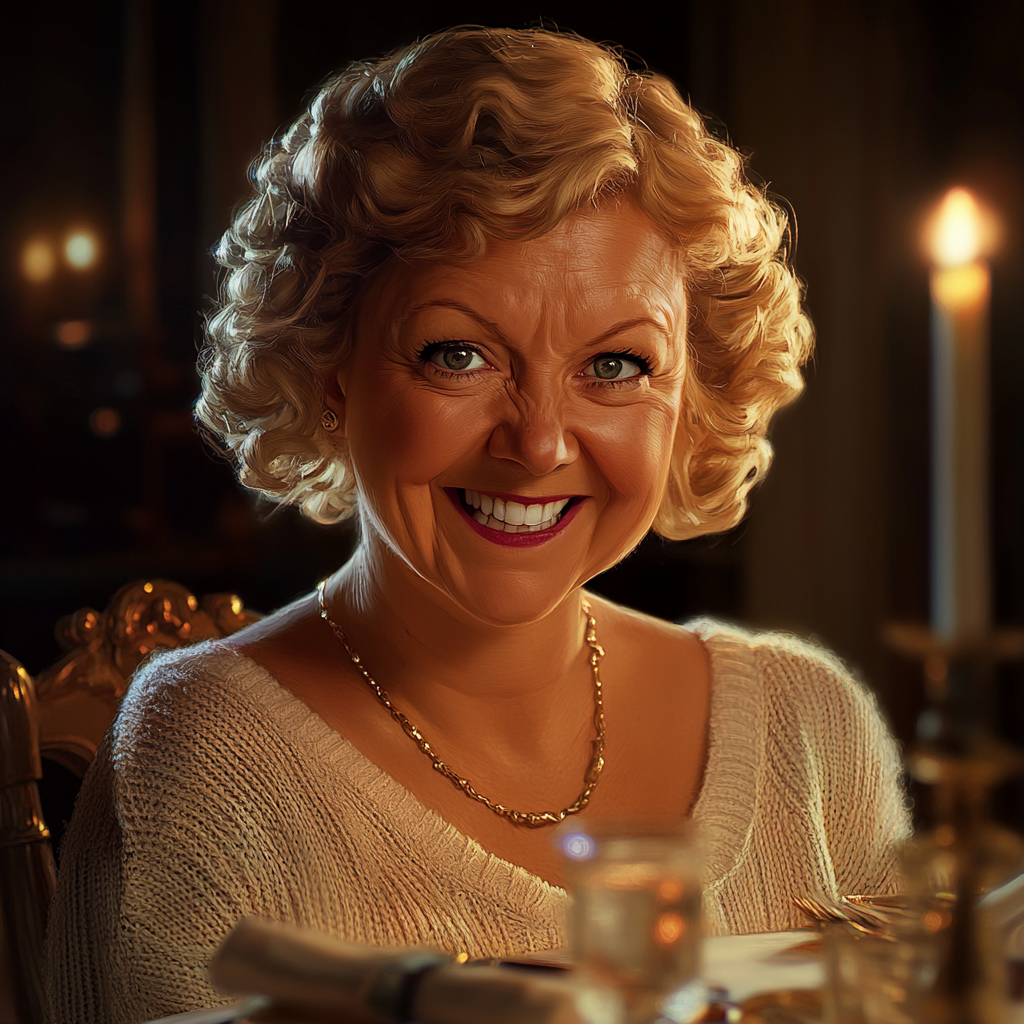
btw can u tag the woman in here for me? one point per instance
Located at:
(512, 305)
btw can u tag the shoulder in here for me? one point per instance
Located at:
(214, 704)
(189, 698)
(207, 664)
(820, 727)
(824, 775)
(207, 734)
(782, 651)
(186, 678)
(817, 725)
(797, 678)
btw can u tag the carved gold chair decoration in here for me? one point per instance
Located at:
(62, 715)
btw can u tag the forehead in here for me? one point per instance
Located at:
(594, 270)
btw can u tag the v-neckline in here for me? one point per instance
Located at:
(723, 809)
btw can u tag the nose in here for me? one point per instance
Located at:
(534, 434)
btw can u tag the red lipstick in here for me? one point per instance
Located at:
(516, 540)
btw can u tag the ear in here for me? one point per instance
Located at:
(335, 386)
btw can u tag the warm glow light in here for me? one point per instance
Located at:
(80, 250)
(669, 929)
(964, 287)
(957, 235)
(105, 422)
(73, 333)
(38, 261)
(669, 890)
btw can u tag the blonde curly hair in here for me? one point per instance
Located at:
(469, 135)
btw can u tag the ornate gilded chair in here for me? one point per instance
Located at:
(62, 715)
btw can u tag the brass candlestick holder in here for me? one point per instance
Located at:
(966, 853)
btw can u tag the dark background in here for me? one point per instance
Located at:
(139, 121)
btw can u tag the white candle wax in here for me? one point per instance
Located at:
(960, 558)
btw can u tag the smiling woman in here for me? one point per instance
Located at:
(548, 370)
(511, 304)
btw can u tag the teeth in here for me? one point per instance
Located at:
(496, 524)
(513, 516)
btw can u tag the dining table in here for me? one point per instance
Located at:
(736, 969)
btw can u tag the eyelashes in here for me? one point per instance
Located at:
(608, 367)
(451, 359)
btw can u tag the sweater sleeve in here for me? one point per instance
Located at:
(156, 866)
(847, 750)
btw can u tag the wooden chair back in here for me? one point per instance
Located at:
(62, 715)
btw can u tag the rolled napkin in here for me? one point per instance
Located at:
(310, 977)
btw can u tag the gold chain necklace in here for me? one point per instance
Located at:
(531, 819)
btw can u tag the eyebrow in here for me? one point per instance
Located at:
(619, 328)
(627, 325)
(450, 304)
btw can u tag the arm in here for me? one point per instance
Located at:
(156, 869)
(867, 815)
(840, 764)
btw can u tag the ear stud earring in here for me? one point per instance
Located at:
(329, 420)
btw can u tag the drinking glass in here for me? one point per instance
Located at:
(873, 980)
(635, 923)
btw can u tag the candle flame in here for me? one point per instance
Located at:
(958, 229)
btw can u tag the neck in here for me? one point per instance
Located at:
(434, 657)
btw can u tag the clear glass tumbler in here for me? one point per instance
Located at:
(872, 980)
(635, 924)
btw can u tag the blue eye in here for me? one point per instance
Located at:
(456, 358)
(616, 366)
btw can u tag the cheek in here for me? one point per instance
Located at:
(404, 436)
(634, 450)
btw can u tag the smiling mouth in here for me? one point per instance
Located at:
(507, 516)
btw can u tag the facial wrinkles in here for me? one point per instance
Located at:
(539, 428)
(539, 312)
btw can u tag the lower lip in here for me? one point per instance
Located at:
(514, 540)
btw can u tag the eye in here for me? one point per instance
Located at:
(455, 357)
(617, 366)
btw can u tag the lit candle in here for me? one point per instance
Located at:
(960, 560)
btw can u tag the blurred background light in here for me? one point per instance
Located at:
(80, 250)
(38, 261)
(578, 846)
(105, 422)
(73, 333)
(960, 230)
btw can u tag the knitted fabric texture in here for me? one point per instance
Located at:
(218, 795)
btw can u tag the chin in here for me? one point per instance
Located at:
(507, 598)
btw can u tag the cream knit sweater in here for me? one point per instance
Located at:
(218, 795)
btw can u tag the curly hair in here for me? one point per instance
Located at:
(476, 134)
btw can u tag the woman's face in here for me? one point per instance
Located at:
(511, 419)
